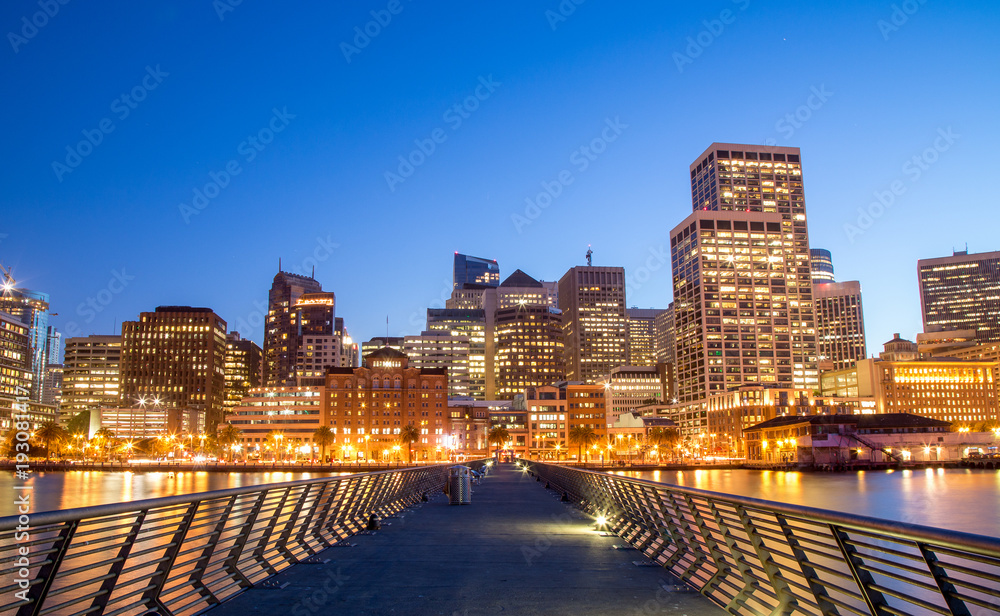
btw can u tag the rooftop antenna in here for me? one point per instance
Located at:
(386, 330)
(279, 264)
(590, 254)
(314, 273)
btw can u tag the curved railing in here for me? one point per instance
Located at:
(183, 554)
(758, 557)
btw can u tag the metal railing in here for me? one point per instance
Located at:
(765, 558)
(183, 554)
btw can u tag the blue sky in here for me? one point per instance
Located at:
(313, 116)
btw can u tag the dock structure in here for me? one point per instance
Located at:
(515, 550)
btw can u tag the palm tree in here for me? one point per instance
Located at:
(663, 438)
(51, 432)
(275, 438)
(229, 436)
(409, 434)
(582, 436)
(104, 437)
(498, 436)
(323, 436)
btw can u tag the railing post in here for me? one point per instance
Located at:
(786, 600)
(948, 592)
(231, 564)
(47, 574)
(718, 560)
(208, 550)
(818, 591)
(151, 598)
(873, 598)
(101, 600)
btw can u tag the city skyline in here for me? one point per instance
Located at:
(113, 228)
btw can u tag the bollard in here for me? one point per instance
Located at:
(374, 523)
(423, 497)
(565, 497)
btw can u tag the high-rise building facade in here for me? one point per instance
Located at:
(32, 309)
(91, 374)
(530, 349)
(243, 366)
(595, 326)
(281, 327)
(642, 336)
(666, 343)
(176, 355)
(627, 388)
(471, 324)
(393, 342)
(442, 350)
(732, 305)
(52, 390)
(840, 324)
(821, 266)
(475, 271)
(314, 336)
(15, 357)
(748, 180)
(962, 292)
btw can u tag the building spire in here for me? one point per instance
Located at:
(279, 265)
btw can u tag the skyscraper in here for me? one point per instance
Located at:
(822, 265)
(471, 324)
(313, 334)
(840, 324)
(91, 374)
(592, 300)
(281, 329)
(175, 355)
(15, 357)
(32, 309)
(666, 344)
(746, 180)
(642, 336)
(530, 349)
(475, 271)
(243, 370)
(731, 303)
(962, 292)
(442, 350)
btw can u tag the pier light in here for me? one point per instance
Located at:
(601, 521)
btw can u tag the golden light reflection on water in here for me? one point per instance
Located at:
(958, 499)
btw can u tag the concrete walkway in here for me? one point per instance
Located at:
(515, 550)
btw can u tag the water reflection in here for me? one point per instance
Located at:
(70, 489)
(957, 499)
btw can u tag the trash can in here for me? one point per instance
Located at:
(460, 485)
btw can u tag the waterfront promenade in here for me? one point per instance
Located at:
(515, 550)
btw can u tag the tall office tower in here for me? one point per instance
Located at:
(52, 391)
(840, 324)
(666, 345)
(15, 357)
(32, 309)
(243, 370)
(768, 180)
(474, 270)
(393, 342)
(175, 355)
(732, 305)
(593, 303)
(91, 374)
(821, 269)
(440, 350)
(53, 349)
(530, 349)
(281, 328)
(472, 324)
(520, 289)
(642, 336)
(315, 337)
(962, 292)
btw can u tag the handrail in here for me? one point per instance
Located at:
(183, 554)
(753, 556)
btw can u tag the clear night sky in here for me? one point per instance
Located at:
(211, 84)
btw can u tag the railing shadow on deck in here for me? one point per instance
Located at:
(752, 556)
(182, 554)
